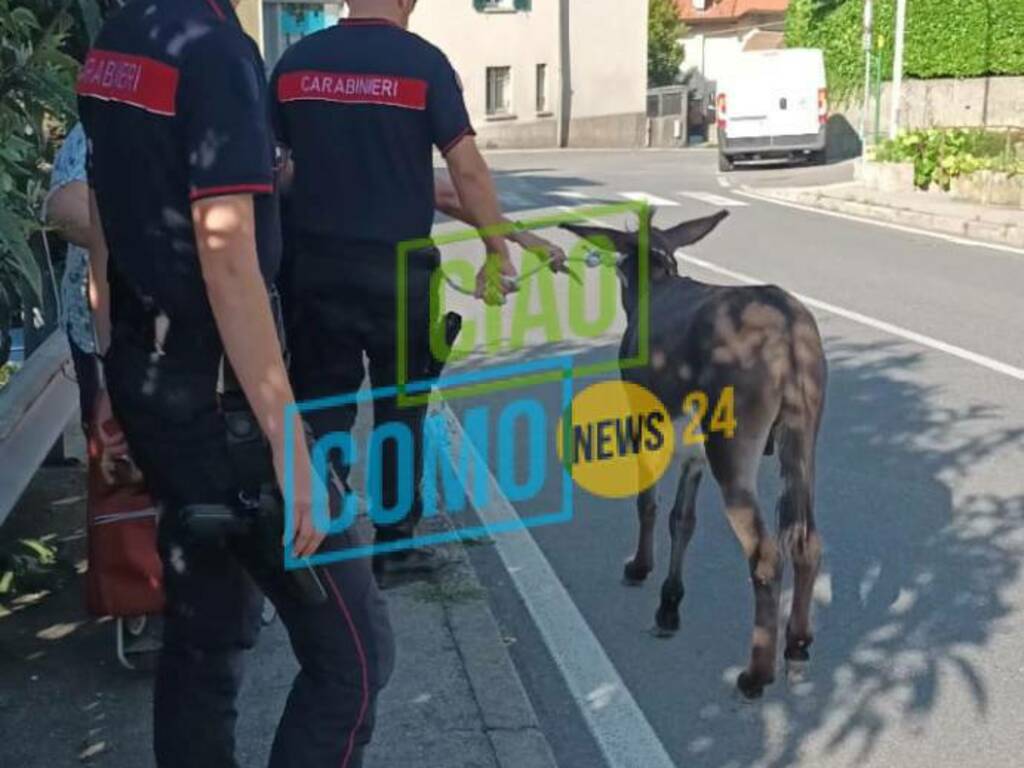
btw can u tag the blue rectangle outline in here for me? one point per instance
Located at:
(565, 515)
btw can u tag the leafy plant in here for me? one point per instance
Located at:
(6, 371)
(33, 565)
(36, 77)
(940, 155)
(664, 52)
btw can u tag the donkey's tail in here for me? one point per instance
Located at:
(798, 435)
(796, 502)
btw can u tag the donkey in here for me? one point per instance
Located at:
(762, 342)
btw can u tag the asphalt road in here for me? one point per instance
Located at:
(919, 658)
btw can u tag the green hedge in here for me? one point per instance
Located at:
(969, 38)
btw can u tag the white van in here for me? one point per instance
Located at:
(773, 104)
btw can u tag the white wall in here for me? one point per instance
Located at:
(608, 49)
(712, 54)
(474, 41)
(608, 52)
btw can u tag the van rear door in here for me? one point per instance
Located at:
(796, 78)
(748, 100)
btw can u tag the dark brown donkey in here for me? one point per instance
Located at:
(765, 344)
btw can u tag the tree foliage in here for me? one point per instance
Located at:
(664, 53)
(39, 40)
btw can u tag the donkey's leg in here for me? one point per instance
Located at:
(638, 568)
(735, 463)
(681, 524)
(762, 552)
(806, 556)
(799, 536)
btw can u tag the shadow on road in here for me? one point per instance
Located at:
(912, 593)
(912, 589)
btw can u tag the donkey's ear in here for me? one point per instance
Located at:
(691, 231)
(603, 238)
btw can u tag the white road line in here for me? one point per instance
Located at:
(747, 192)
(623, 734)
(570, 194)
(723, 182)
(881, 325)
(646, 197)
(716, 200)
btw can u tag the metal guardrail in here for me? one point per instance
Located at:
(35, 407)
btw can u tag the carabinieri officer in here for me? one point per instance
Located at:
(173, 98)
(359, 108)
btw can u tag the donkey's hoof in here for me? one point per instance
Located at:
(750, 685)
(634, 575)
(666, 622)
(796, 671)
(797, 652)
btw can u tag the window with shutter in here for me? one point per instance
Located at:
(499, 91)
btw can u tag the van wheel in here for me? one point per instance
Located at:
(725, 164)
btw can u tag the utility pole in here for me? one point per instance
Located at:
(868, 27)
(564, 105)
(897, 69)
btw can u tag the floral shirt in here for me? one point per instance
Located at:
(69, 166)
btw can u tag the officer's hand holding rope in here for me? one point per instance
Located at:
(494, 282)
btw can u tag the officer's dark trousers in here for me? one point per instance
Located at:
(344, 646)
(340, 302)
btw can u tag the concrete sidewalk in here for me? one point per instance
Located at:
(920, 210)
(454, 701)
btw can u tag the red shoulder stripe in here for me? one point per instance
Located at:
(349, 88)
(231, 189)
(134, 80)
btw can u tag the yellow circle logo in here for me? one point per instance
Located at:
(620, 440)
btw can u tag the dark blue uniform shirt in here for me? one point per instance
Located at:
(173, 99)
(361, 105)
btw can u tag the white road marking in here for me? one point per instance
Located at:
(570, 194)
(717, 200)
(881, 325)
(723, 182)
(748, 192)
(646, 197)
(623, 734)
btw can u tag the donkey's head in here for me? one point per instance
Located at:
(661, 247)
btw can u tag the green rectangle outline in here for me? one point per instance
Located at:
(582, 215)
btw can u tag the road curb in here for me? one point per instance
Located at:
(959, 226)
(509, 718)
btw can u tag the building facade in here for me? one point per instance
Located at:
(536, 73)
